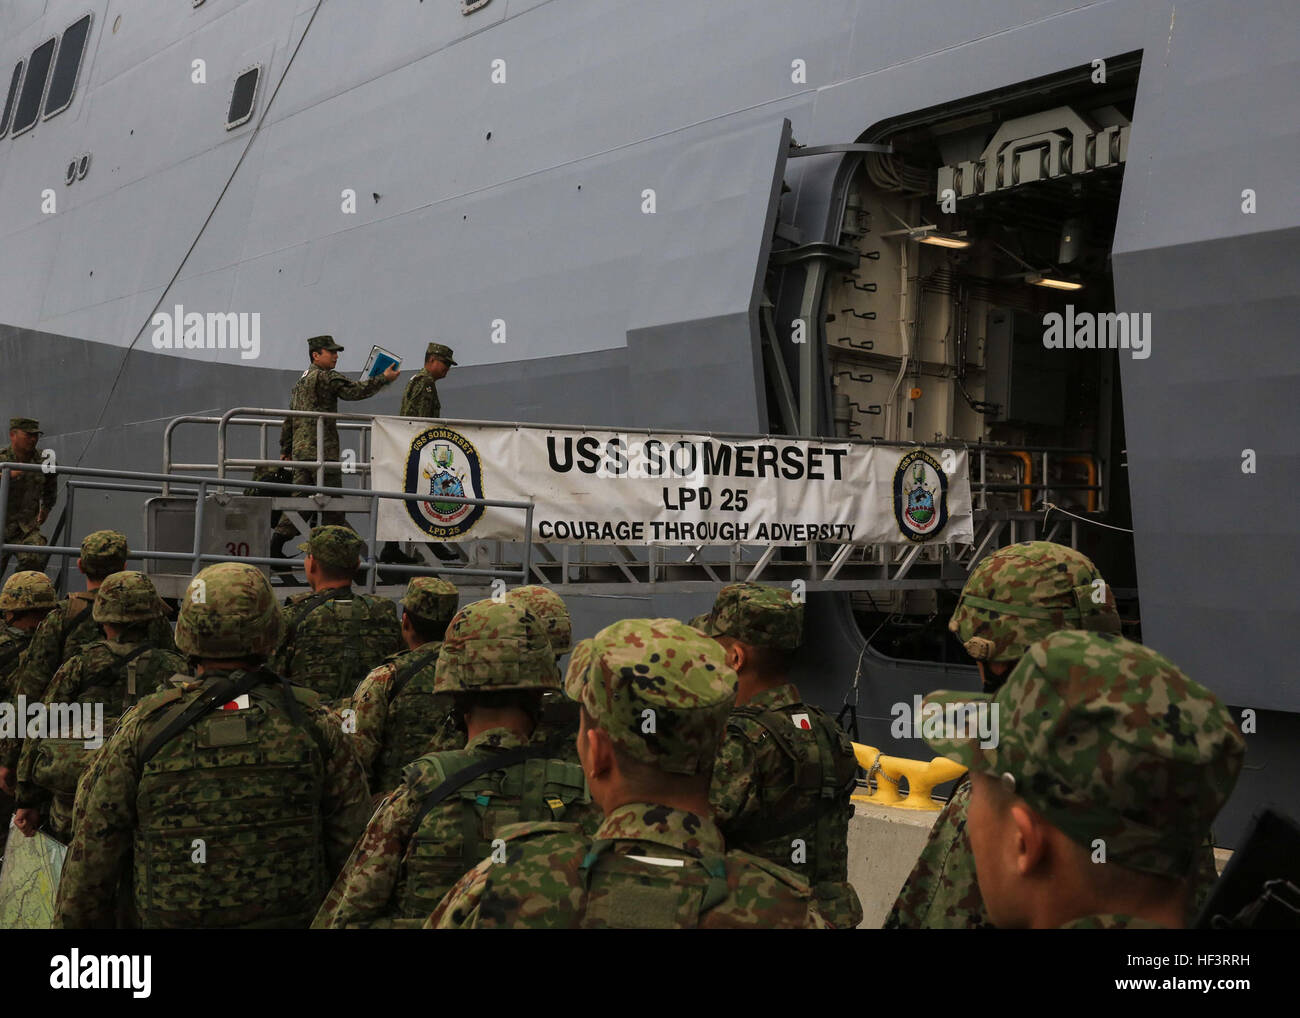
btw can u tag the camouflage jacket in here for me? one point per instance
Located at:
(553, 876)
(781, 788)
(140, 826)
(51, 769)
(13, 641)
(421, 397)
(331, 646)
(58, 639)
(320, 389)
(397, 873)
(30, 491)
(942, 892)
(559, 725)
(394, 729)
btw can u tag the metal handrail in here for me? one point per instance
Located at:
(197, 557)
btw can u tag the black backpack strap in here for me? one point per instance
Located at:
(497, 762)
(183, 715)
(309, 605)
(74, 622)
(408, 671)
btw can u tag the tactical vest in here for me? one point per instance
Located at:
(814, 806)
(624, 892)
(536, 789)
(244, 789)
(415, 714)
(79, 630)
(337, 641)
(15, 642)
(118, 685)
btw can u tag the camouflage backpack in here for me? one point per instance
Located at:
(334, 638)
(815, 805)
(415, 712)
(248, 785)
(116, 675)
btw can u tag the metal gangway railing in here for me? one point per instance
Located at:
(205, 491)
(594, 568)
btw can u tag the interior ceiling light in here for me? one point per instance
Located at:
(1051, 281)
(931, 235)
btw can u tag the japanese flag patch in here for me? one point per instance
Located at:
(802, 721)
(241, 703)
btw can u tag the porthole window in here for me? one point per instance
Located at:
(71, 174)
(29, 99)
(63, 82)
(242, 97)
(83, 166)
(10, 96)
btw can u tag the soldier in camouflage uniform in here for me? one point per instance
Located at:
(655, 696)
(320, 388)
(115, 672)
(28, 596)
(32, 495)
(70, 628)
(444, 817)
(785, 771)
(421, 396)
(333, 637)
(559, 721)
(1094, 804)
(227, 802)
(396, 709)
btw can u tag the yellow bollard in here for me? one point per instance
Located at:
(921, 777)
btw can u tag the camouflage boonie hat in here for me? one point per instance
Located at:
(757, 614)
(493, 647)
(1025, 591)
(228, 610)
(443, 353)
(336, 547)
(1108, 739)
(104, 548)
(28, 424)
(548, 606)
(127, 597)
(663, 667)
(27, 590)
(322, 343)
(700, 621)
(431, 598)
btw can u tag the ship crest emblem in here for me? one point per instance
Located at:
(443, 463)
(920, 496)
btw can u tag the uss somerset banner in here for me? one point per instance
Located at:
(609, 487)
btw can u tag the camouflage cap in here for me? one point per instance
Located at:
(548, 606)
(322, 343)
(660, 689)
(1025, 591)
(443, 353)
(127, 597)
(757, 614)
(495, 646)
(333, 546)
(1107, 739)
(103, 549)
(28, 424)
(700, 622)
(431, 597)
(27, 590)
(228, 611)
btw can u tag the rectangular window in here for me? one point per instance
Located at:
(242, 97)
(63, 82)
(29, 100)
(9, 101)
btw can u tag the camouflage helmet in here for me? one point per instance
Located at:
(27, 590)
(228, 610)
(493, 647)
(1025, 591)
(104, 549)
(127, 597)
(431, 597)
(551, 609)
(757, 614)
(660, 689)
(1106, 739)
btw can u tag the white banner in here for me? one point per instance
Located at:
(608, 487)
